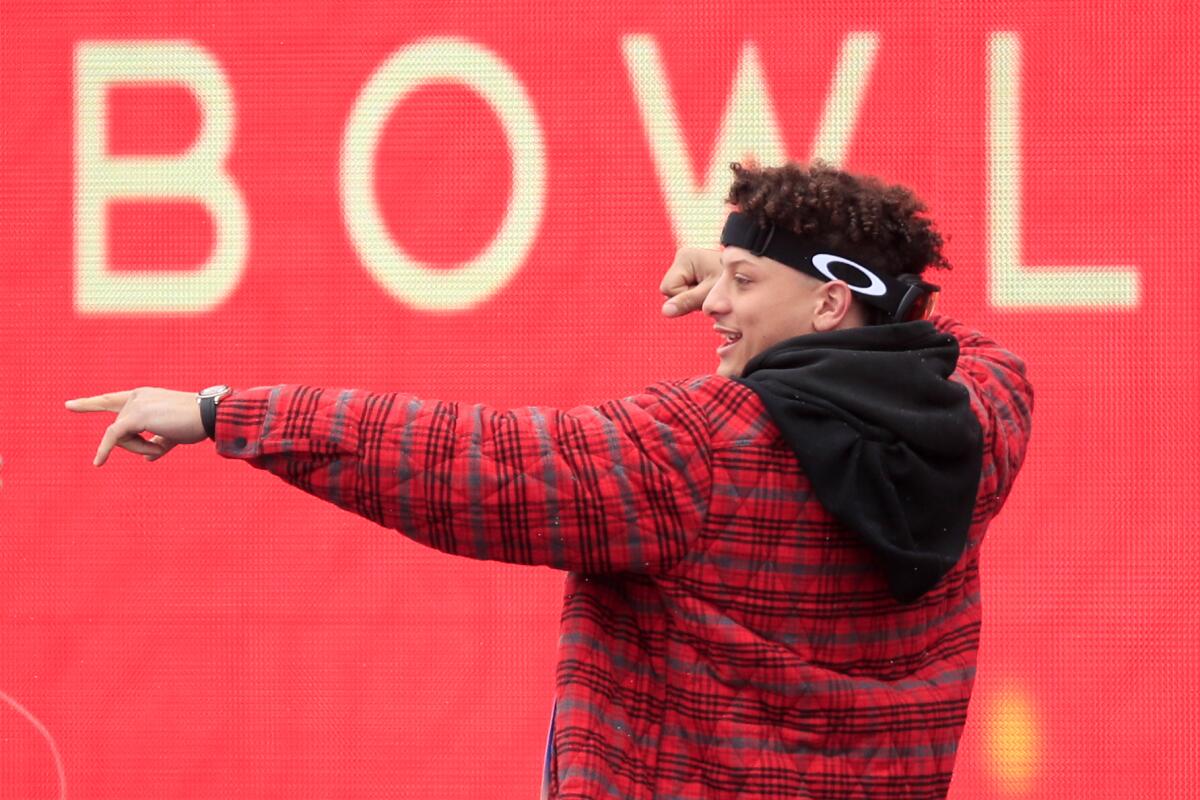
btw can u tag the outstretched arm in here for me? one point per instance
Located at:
(622, 486)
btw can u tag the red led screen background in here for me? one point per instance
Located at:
(476, 201)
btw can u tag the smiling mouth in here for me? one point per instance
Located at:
(728, 340)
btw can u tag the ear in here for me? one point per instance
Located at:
(835, 300)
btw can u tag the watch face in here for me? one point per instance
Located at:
(215, 391)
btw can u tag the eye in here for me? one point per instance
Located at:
(741, 280)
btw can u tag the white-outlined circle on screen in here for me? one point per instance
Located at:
(875, 289)
(471, 64)
(37, 724)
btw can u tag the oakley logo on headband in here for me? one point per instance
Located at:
(876, 287)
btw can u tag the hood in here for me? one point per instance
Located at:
(890, 444)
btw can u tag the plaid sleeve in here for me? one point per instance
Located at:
(622, 486)
(1002, 399)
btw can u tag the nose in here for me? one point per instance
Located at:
(716, 302)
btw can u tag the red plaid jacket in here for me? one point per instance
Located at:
(721, 635)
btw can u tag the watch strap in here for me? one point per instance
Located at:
(208, 416)
(208, 399)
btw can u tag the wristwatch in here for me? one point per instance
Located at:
(208, 399)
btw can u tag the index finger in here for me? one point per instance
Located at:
(113, 401)
(688, 300)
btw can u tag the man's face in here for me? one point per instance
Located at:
(756, 303)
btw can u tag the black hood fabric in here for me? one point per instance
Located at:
(890, 444)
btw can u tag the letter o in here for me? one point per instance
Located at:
(481, 71)
(876, 288)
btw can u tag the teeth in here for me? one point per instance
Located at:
(729, 338)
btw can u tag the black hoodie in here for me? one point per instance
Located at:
(890, 444)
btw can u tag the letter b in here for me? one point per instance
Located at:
(197, 175)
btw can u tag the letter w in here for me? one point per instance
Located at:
(749, 126)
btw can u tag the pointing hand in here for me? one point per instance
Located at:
(170, 417)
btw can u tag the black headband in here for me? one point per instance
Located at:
(890, 295)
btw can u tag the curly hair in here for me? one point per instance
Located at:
(836, 209)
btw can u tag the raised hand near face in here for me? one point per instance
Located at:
(688, 280)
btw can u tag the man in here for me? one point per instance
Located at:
(773, 586)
